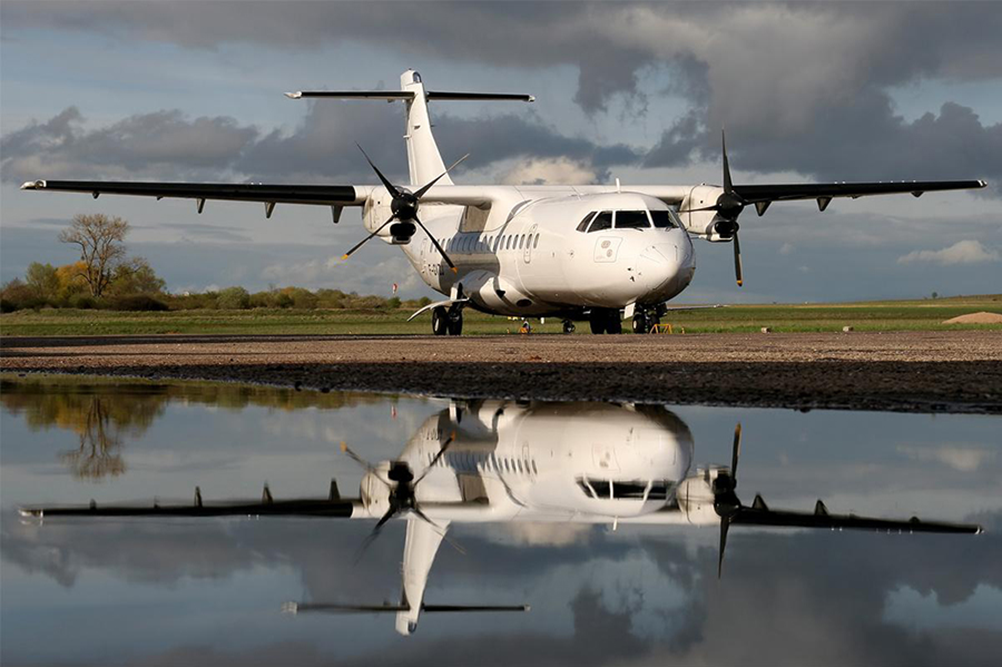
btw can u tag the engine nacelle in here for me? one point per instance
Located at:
(378, 209)
(699, 222)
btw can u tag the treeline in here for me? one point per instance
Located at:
(60, 292)
(105, 278)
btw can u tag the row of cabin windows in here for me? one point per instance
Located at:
(474, 244)
(634, 490)
(472, 461)
(600, 221)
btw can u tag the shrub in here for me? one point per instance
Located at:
(82, 301)
(233, 298)
(142, 302)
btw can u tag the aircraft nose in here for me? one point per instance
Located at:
(658, 266)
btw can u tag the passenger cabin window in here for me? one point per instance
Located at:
(662, 219)
(583, 225)
(602, 221)
(632, 220)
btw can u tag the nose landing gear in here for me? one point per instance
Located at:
(644, 321)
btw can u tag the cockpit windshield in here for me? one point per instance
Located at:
(632, 220)
(626, 490)
(664, 219)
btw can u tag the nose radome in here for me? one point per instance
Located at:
(658, 265)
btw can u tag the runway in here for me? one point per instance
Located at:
(905, 371)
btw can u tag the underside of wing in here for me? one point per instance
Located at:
(752, 194)
(318, 195)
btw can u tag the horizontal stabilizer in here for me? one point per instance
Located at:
(392, 95)
(320, 607)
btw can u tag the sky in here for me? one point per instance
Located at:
(191, 91)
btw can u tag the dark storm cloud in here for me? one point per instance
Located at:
(166, 144)
(801, 86)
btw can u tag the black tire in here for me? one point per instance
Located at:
(641, 323)
(439, 321)
(569, 327)
(597, 322)
(455, 324)
(614, 325)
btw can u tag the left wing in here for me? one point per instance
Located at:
(335, 196)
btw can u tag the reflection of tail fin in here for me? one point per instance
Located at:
(422, 152)
(331, 608)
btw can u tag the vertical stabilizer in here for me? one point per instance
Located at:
(423, 158)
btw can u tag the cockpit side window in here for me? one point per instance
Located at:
(632, 220)
(583, 225)
(663, 219)
(602, 221)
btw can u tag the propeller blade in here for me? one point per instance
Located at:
(434, 241)
(366, 239)
(438, 457)
(725, 523)
(728, 186)
(392, 189)
(427, 186)
(738, 273)
(736, 451)
(362, 462)
(371, 537)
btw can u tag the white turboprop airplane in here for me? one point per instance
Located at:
(599, 253)
(504, 461)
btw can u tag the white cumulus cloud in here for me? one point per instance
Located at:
(961, 252)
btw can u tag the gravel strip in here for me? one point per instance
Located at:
(904, 371)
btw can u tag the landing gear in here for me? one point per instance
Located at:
(605, 320)
(446, 321)
(644, 321)
(440, 321)
(455, 323)
(568, 327)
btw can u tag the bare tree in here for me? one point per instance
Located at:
(101, 240)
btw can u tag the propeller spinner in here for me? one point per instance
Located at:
(404, 206)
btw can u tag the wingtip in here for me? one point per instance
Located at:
(982, 183)
(532, 98)
(33, 185)
(295, 95)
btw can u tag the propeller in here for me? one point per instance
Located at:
(725, 500)
(404, 206)
(402, 486)
(729, 206)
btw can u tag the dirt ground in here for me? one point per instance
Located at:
(908, 371)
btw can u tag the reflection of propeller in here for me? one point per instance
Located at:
(728, 207)
(404, 207)
(725, 500)
(402, 486)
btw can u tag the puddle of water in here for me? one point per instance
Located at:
(601, 517)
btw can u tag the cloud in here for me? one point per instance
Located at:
(168, 145)
(961, 252)
(549, 171)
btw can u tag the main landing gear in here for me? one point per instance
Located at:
(605, 320)
(447, 321)
(568, 327)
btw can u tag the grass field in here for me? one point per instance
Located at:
(869, 316)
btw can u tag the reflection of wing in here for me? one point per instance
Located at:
(760, 515)
(331, 507)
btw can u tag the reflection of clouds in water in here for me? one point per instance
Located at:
(958, 457)
(547, 534)
(913, 610)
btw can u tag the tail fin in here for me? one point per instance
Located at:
(423, 158)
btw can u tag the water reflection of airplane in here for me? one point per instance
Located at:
(493, 461)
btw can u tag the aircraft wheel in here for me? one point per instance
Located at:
(568, 327)
(439, 321)
(614, 325)
(641, 323)
(597, 322)
(455, 323)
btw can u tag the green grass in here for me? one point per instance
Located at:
(869, 316)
